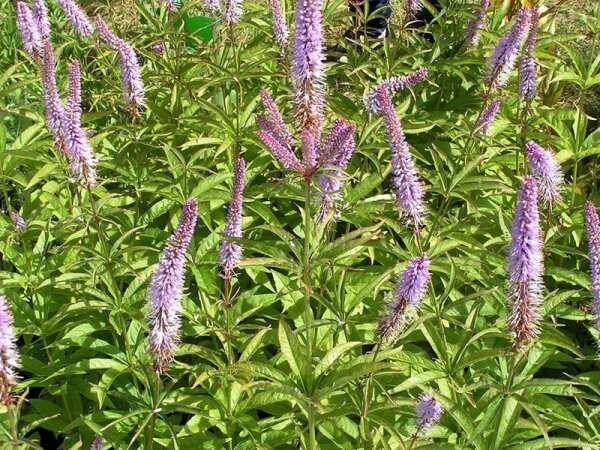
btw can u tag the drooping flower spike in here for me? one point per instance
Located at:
(280, 28)
(475, 25)
(487, 116)
(55, 114)
(18, 221)
(9, 358)
(410, 290)
(592, 227)
(232, 12)
(502, 60)
(166, 290)
(527, 84)
(393, 84)
(407, 184)
(428, 412)
(230, 253)
(546, 170)
(40, 16)
(79, 20)
(525, 266)
(30, 34)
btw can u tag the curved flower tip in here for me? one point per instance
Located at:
(166, 287)
(106, 34)
(428, 411)
(230, 253)
(98, 443)
(30, 33)
(525, 266)
(40, 16)
(475, 25)
(79, 20)
(592, 226)
(410, 290)
(487, 116)
(9, 358)
(18, 221)
(546, 169)
(393, 84)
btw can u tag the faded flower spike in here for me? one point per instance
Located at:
(280, 28)
(165, 291)
(475, 25)
(9, 358)
(487, 116)
(30, 33)
(504, 56)
(40, 16)
(55, 114)
(525, 266)
(407, 184)
(592, 227)
(232, 12)
(393, 84)
(98, 443)
(527, 86)
(410, 290)
(18, 221)
(546, 170)
(308, 70)
(79, 20)
(230, 253)
(429, 411)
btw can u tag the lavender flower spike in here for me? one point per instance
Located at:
(106, 34)
(487, 116)
(546, 170)
(79, 20)
(504, 56)
(81, 156)
(231, 253)
(165, 291)
(9, 358)
(307, 72)
(55, 115)
(429, 411)
(474, 25)
(18, 221)
(407, 185)
(410, 290)
(210, 6)
(280, 28)
(232, 12)
(98, 443)
(525, 266)
(40, 16)
(30, 34)
(527, 86)
(592, 226)
(393, 84)
(133, 86)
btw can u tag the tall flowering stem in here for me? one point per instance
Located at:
(502, 60)
(527, 84)
(30, 34)
(40, 16)
(9, 358)
(407, 184)
(166, 290)
(546, 170)
(230, 253)
(475, 25)
(79, 20)
(280, 28)
(393, 84)
(55, 114)
(592, 227)
(525, 266)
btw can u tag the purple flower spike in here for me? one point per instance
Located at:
(280, 151)
(475, 25)
(133, 86)
(9, 358)
(274, 120)
(504, 56)
(98, 443)
(487, 116)
(210, 6)
(165, 291)
(30, 34)
(527, 86)
(18, 221)
(410, 8)
(546, 170)
(79, 20)
(106, 34)
(592, 226)
(393, 84)
(280, 28)
(81, 156)
(307, 73)
(410, 290)
(429, 411)
(407, 185)
(159, 48)
(231, 253)
(232, 12)
(55, 115)
(525, 266)
(170, 5)
(40, 16)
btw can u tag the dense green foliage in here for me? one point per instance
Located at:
(77, 276)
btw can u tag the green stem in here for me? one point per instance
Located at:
(14, 435)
